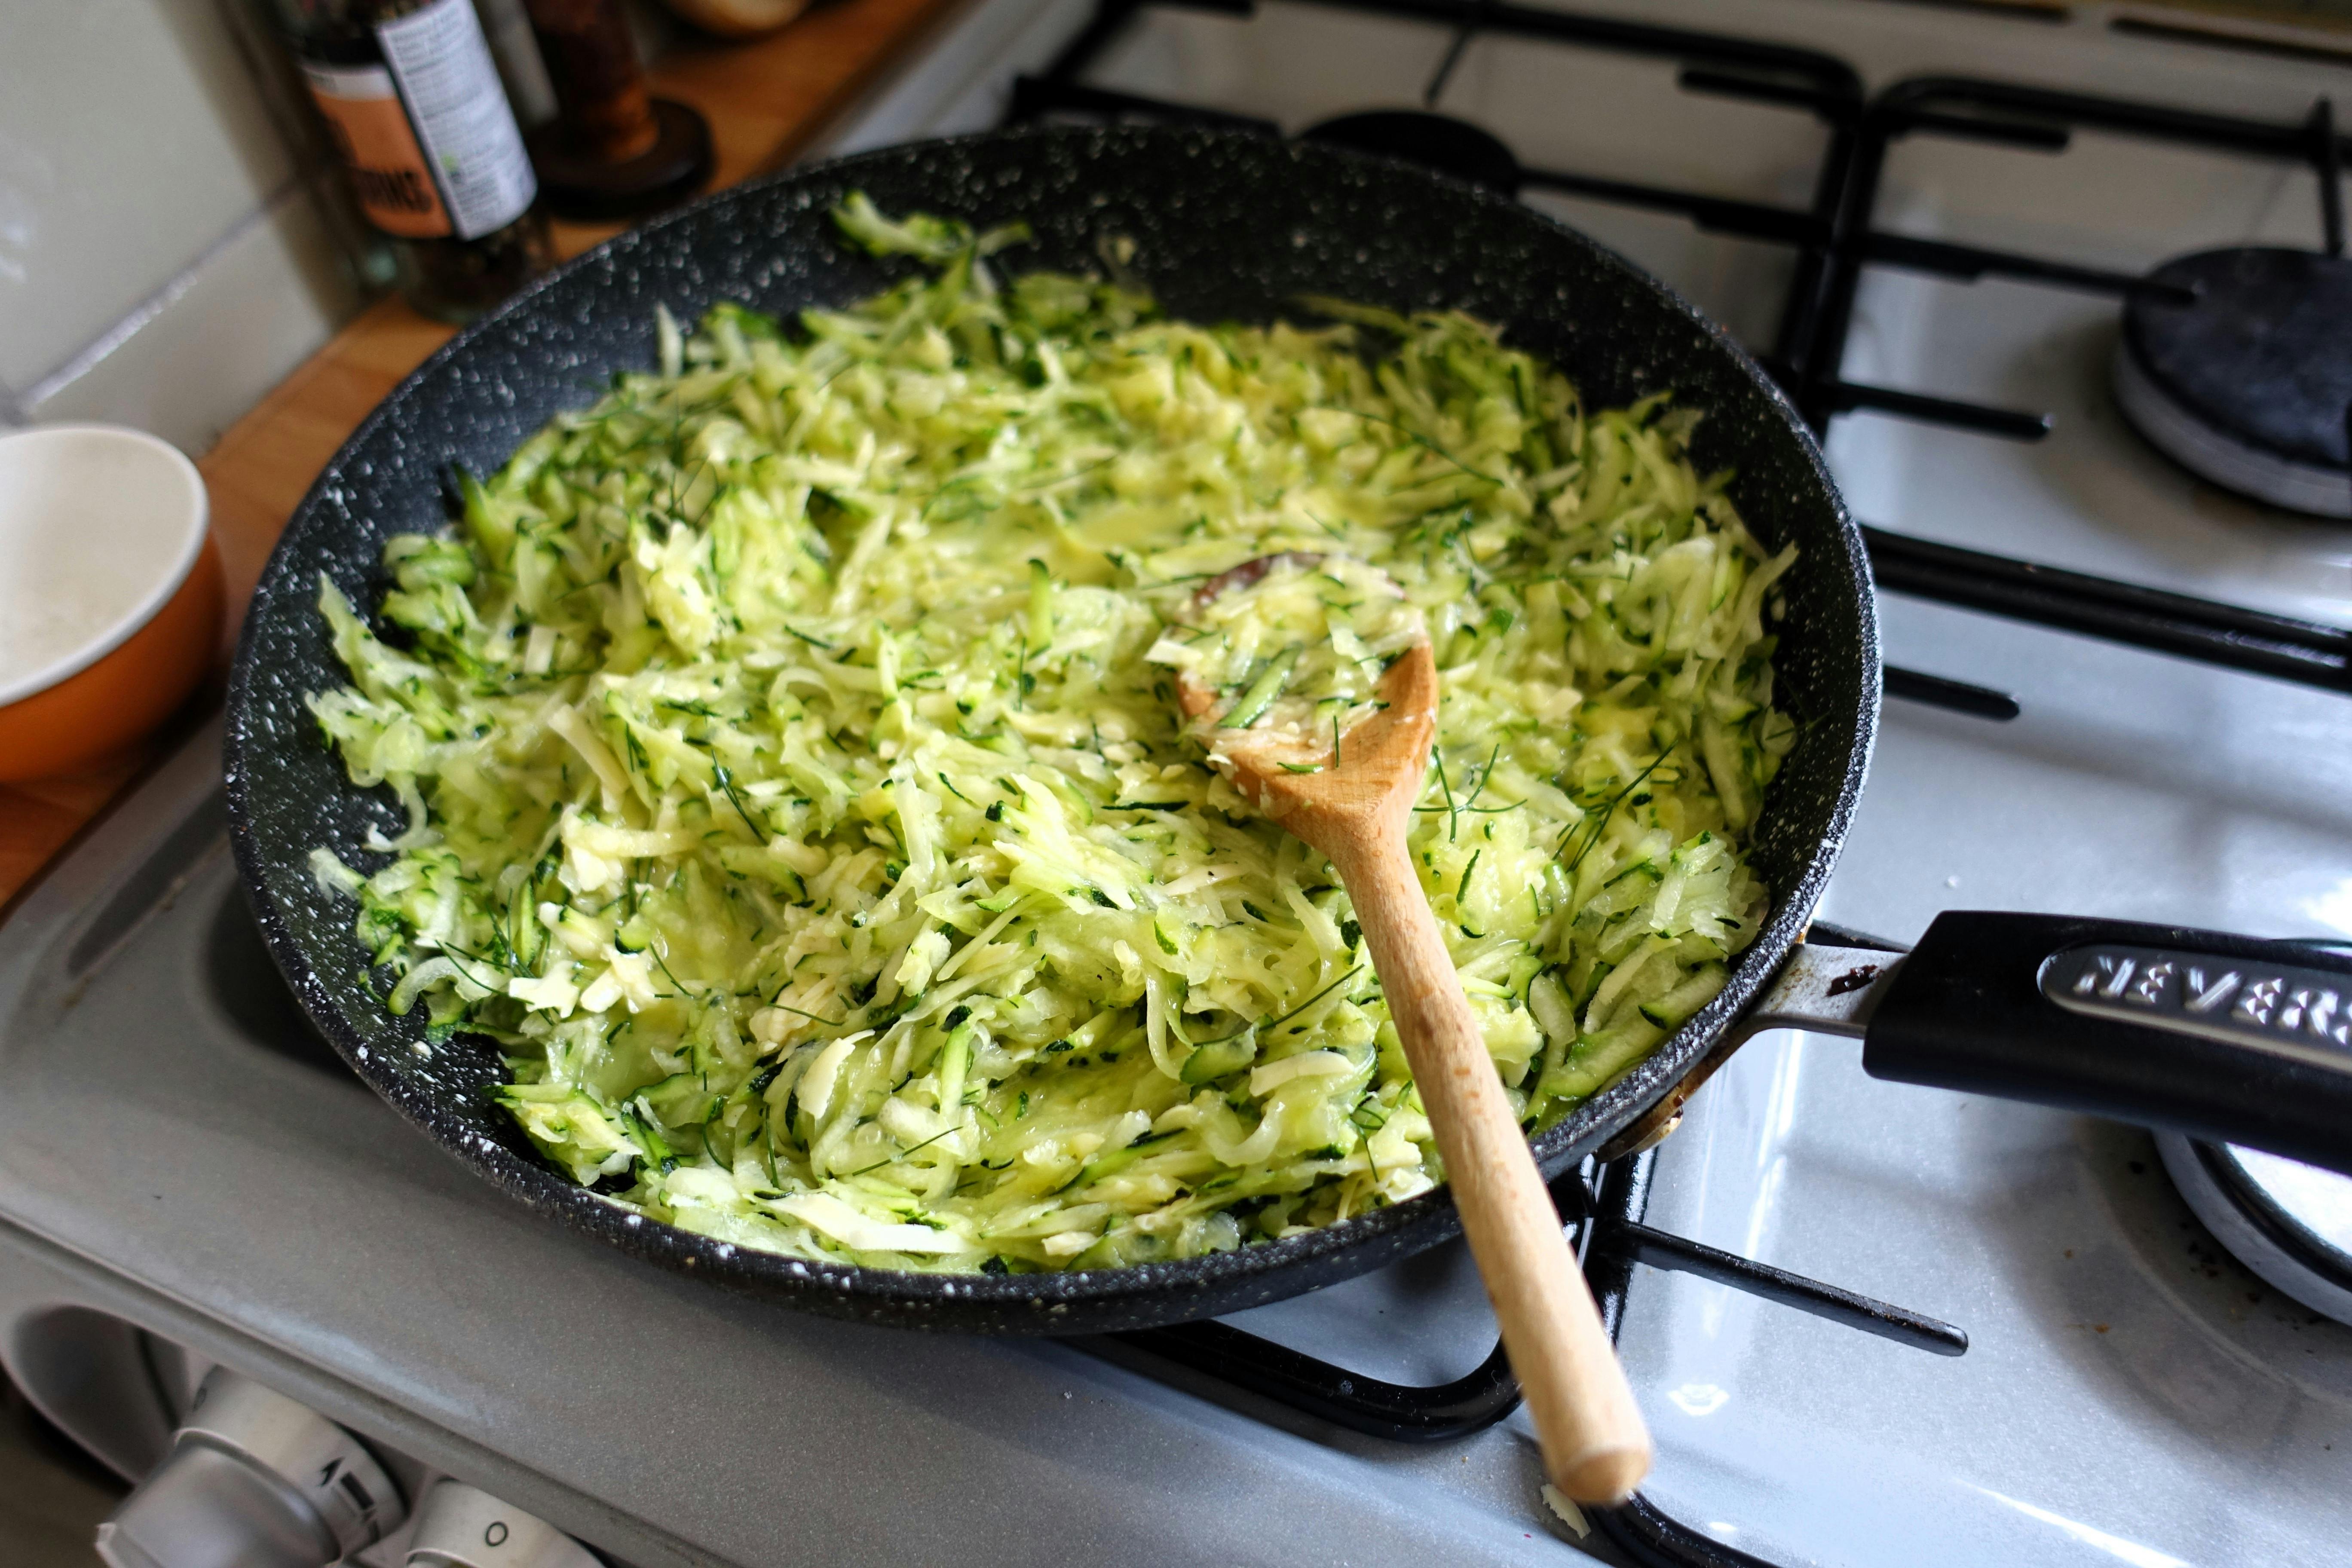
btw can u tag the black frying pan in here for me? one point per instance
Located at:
(1234, 226)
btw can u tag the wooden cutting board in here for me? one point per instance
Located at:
(765, 101)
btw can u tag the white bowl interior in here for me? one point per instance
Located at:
(98, 527)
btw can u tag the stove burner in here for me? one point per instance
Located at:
(2290, 1222)
(2250, 384)
(1438, 142)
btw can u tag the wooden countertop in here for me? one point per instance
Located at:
(765, 101)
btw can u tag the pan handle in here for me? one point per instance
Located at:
(2226, 1039)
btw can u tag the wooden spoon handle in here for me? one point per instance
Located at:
(1595, 1446)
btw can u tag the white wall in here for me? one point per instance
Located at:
(161, 262)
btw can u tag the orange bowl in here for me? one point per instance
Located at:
(111, 593)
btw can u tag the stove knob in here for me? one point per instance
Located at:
(253, 1480)
(459, 1527)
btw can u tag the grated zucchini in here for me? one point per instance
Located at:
(795, 796)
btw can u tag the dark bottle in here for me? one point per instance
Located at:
(411, 100)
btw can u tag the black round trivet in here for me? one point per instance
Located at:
(2250, 383)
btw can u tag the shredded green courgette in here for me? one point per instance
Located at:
(796, 797)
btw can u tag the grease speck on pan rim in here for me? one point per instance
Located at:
(1226, 225)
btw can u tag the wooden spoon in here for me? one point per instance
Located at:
(1356, 809)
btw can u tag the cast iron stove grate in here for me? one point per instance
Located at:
(1603, 1204)
(2044, 120)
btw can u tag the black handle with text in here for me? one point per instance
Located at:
(2227, 1038)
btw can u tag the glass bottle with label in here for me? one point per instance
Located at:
(412, 100)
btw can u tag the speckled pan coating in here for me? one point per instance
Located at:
(1225, 225)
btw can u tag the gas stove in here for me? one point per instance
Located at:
(2119, 690)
